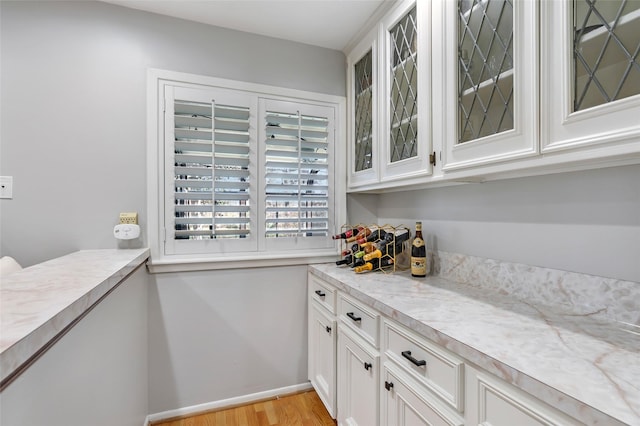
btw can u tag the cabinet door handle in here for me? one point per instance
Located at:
(353, 317)
(419, 363)
(367, 366)
(388, 385)
(328, 329)
(320, 293)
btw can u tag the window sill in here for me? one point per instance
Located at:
(165, 265)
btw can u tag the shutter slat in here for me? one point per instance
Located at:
(208, 208)
(208, 220)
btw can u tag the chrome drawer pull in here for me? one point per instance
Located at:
(419, 363)
(320, 293)
(353, 317)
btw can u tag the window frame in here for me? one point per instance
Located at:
(157, 178)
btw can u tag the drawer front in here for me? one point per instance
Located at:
(364, 321)
(322, 292)
(436, 368)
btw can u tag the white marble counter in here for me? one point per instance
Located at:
(39, 302)
(583, 363)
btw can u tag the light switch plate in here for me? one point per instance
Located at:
(6, 186)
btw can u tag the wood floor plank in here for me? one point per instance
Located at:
(301, 409)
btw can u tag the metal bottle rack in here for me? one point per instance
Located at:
(401, 258)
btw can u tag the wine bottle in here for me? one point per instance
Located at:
(375, 235)
(357, 262)
(347, 260)
(392, 244)
(347, 234)
(364, 232)
(418, 254)
(374, 264)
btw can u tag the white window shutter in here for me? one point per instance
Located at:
(297, 153)
(210, 172)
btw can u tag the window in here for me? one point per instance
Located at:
(242, 174)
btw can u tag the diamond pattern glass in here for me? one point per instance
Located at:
(605, 51)
(404, 89)
(485, 68)
(363, 113)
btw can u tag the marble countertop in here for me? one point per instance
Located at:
(39, 302)
(580, 363)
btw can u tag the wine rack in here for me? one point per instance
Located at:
(373, 247)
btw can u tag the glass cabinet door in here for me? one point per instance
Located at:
(363, 161)
(491, 81)
(406, 36)
(363, 111)
(590, 74)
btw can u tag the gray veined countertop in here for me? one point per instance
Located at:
(40, 302)
(580, 363)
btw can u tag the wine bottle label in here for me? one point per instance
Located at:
(418, 265)
(418, 242)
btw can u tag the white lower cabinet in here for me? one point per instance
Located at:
(322, 356)
(493, 402)
(404, 402)
(369, 370)
(358, 378)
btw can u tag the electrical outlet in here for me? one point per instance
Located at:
(130, 218)
(6, 187)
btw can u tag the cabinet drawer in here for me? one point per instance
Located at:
(322, 292)
(364, 321)
(436, 368)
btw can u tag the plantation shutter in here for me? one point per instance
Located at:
(298, 146)
(210, 135)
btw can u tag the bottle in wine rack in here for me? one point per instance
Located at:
(347, 234)
(374, 264)
(347, 260)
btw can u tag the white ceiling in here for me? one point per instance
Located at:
(326, 23)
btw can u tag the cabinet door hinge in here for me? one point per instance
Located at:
(432, 158)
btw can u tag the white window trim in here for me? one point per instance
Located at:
(159, 262)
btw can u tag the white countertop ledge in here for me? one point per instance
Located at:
(584, 366)
(41, 301)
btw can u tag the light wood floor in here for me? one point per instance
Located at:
(301, 409)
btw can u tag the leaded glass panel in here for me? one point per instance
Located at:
(404, 89)
(485, 68)
(363, 113)
(605, 51)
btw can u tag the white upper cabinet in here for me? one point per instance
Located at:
(406, 116)
(590, 76)
(389, 82)
(363, 116)
(490, 80)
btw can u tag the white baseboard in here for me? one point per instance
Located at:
(223, 403)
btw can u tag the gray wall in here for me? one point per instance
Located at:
(73, 122)
(586, 221)
(95, 375)
(225, 334)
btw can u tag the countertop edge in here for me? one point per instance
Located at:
(22, 352)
